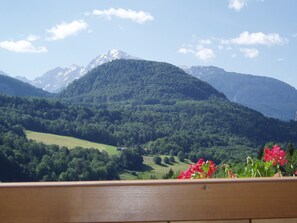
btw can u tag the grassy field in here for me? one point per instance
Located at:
(69, 142)
(150, 169)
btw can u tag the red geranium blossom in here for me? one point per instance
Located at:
(276, 154)
(199, 170)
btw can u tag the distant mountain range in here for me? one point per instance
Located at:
(58, 78)
(269, 96)
(14, 87)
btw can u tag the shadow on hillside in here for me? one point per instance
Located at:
(186, 162)
(145, 167)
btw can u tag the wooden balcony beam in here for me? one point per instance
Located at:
(148, 201)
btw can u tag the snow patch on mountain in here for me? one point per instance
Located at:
(110, 56)
(58, 78)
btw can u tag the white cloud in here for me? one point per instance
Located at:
(234, 55)
(270, 39)
(138, 17)
(205, 41)
(22, 46)
(220, 47)
(237, 5)
(63, 30)
(200, 52)
(32, 38)
(250, 52)
(204, 54)
(185, 51)
(294, 35)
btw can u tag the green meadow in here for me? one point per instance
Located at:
(149, 169)
(69, 142)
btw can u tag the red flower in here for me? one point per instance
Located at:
(276, 154)
(185, 174)
(199, 170)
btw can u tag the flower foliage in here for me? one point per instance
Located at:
(202, 169)
(271, 165)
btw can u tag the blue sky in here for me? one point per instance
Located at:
(248, 36)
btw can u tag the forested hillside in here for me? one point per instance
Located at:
(184, 126)
(25, 160)
(138, 81)
(14, 87)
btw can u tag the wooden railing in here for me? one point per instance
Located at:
(227, 200)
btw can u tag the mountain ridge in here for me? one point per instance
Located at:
(272, 97)
(14, 87)
(122, 80)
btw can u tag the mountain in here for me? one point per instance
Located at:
(14, 87)
(152, 105)
(138, 81)
(3, 73)
(160, 106)
(110, 56)
(23, 79)
(269, 96)
(58, 78)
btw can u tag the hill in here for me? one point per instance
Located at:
(269, 96)
(14, 87)
(138, 81)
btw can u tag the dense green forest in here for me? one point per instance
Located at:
(185, 126)
(25, 160)
(138, 82)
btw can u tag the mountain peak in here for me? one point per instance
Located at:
(110, 56)
(116, 53)
(58, 78)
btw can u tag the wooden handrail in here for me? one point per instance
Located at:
(149, 201)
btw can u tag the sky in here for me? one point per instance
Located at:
(247, 36)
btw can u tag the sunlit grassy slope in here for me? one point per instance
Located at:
(149, 170)
(69, 142)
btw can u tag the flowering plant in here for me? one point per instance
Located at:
(276, 155)
(273, 161)
(199, 170)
